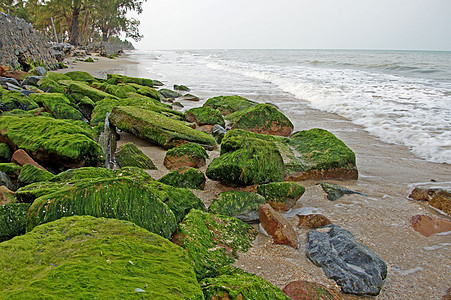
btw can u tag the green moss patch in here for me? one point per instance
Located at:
(12, 220)
(281, 195)
(78, 90)
(94, 258)
(56, 76)
(119, 90)
(10, 169)
(80, 76)
(129, 155)
(205, 116)
(30, 174)
(5, 153)
(50, 85)
(229, 104)
(115, 79)
(185, 177)
(169, 93)
(15, 100)
(146, 91)
(240, 205)
(58, 105)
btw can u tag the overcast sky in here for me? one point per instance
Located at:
(296, 24)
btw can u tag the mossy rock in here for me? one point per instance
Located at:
(94, 258)
(261, 118)
(135, 173)
(246, 161)
(115, 79)
(6, 181)
(205, 116)
(11, 100)
(78, 90)
(146, 91)
(118, 198)
(235, 284)
(281, 195)
(84, 173)
(58, 105)
(5, 153)
(157, 128)
(185, 177)
(169, 93)
(212, 241)
(121, 90)
(30, 174)
(181, 87)
(129, 155)
(13, 218)
(189, 154)
(229, 104)
(80, 76)
(31, 192)
(240, 205)
(49, 85)
(64, 142)
(56, 76)
(89, 60)
(10, 169)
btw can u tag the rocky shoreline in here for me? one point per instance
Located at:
(243, 176)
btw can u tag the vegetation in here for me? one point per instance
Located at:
(185, 177)
(12, 220)
(129, 155)
(240, 205)
(229, 104)
(281, 195)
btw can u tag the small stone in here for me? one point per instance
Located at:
(304, 290)
(428, 226)
(313, 221)
(277, 226)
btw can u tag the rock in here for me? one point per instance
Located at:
(313, 221)
(438, 198)
(120, 90)
(218, 132)
(95, 258)
(6, 195)
(447, 296)
(129, 155)
(240, 205)
(157, 128)
(182, 88)
(146, 91)
(335, 191)
(16, 100)
(169, 93)
(5, 80)
(189, 97)
(18, 75)
(79, 89)
(38, 71)
(234, 283)
(12, 220)
(32, 80)
(428, 226)
(277, 226)
(281, 195)
(246, 161)
(229, 104)
(189, 154)
(58, 105)
(115, 79)
(263, 119)
(50, 86)
(305, 290)
(30, 174)
(22, 158)
(185, 177)
(353, 266)
(5, 153)
(212, 241)
(5, 181)
(10, 169)
(204, 116)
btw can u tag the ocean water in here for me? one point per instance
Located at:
(400, 97)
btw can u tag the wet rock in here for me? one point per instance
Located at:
(182, 88)
(313, 221)
(189, 154)
(428, 226)
(22, 158)
(277, 226)
(335, 191)
(6, 181)
(115, 79)
(185, 177)
(240, 205)
(204, 116)
(58, 105)
(5, 153)
(129, 155)
(6, 195)
(305, 290)
(218, 132)
(32, 80)
(352, 265)
(438, 198)
(12, 220)
(281, 195)
(229, 104)
(169, 93)
(189, 97)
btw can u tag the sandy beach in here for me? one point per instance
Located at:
(419, 267)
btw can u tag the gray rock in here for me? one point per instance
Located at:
(218, 132)
(169, 93)
(6, 181)
(32, 80)
(12, 87)
(335, 191)
(40, 70)
(5, 80)
(343, 258)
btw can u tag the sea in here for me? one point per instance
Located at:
(399, 97)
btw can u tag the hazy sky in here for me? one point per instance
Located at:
(296, 24)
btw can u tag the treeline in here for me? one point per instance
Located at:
(78, 22)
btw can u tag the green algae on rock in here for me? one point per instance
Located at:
(205, 116)
(58, 105)
(80, 76)
(31, 192)
(229, 104)
(167, 93)
(157, 128)
(85, 257)
(189, 154)
(56, 76)
(121, 90)
(212, 241)
(129, 155)
(11, 100)
(185, 177)
(146, 91)
(240, 205)
(31, 174)
(281, 195)
(13, 218)
(115, 79)
(78, 90)
(5, 153)
(10, 169)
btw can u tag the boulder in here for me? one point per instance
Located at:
(10, 169)
(204, 116)
(277, 226)
(38, 71)
(305, 290)
(115, 79)
(261, 118)
(58, 105)
(146, 91)
(6, 195)
(22, 158)
(80, 76)
(79, 89)
(50, 85)
(87, 257)
(334, 191)
(157, 128)
(281, 195)
(129, 155)
(185, 177)
(212, 241)
(313, 221)
(189, 97)
(16, 100)
(189, 154)
(30, 174)
(438, 198)
(5, 153)
(240, 205)
(343, 258)
(218, 132)
(229, 104)
(120, 90)
(32, 80)
(166, 93)
(16, 74)
(428, 226)
(6, 181)
(12, 220)
(181, 87)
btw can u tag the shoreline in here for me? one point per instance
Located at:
(388, 173)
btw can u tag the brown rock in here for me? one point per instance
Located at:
(17, 75)
(6, 196)
(277, 226)
(21, 157)
(428, 226)
(304, 290)
(313, 221)
(176, 162)
(438, 198)
(447, 296)
(205, 128)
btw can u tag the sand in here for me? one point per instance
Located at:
(419, 267)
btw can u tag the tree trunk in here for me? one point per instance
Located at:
(73, 28)
(105, 35)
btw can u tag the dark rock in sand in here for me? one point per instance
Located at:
(438, 198)
(169, 93)
(313, 221)
(277, 226)
(240, 205)
(218, 132)
(305, 290)
(12, 220)
(352, 265)
(335, 191)
(185, 177)
(229, 104)
(129, 155)
(204, 116)
(281, 195)
(189, 154)
(428, 226)
(181, 87)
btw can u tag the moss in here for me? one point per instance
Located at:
(78, 90)
(191, 150)
(181, 87)
(129, 155)
(58, 105)
(118, 198)
(31, 192)
(185, 177)
(16, 100)
(135, 173)
(169, 93)
(115, 79)
(121, 90)
(56, 76)
(281, 195)
(50, 85)
(146, 91)
(229, 104)
(84, 173)
(30, 174)
(10, 168)
(235, 284)
(12, 220)
(5, 153)
(82, 257)
(47, 139)
(240, 205)
(157, 128)
(212, 241)
(80, 76)
(205, 116)
(89, 60)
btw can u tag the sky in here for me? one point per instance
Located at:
(296, 24)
